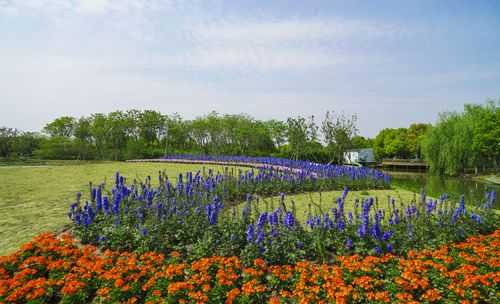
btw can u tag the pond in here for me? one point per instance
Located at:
(474, 191)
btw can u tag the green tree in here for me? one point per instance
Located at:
(461, 141)
(298, 135)
(277, 131)
(360, 142)
(392, 143)
(63, 126)
(338, 132)
(414, 136)
(25, 143)
(83, 138)
(7, 136)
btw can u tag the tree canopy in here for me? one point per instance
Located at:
(456, 143)
(460, 141)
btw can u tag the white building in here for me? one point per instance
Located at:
(359, 156)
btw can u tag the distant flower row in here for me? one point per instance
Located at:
(307, 167)
(56, 270)
(191, 216)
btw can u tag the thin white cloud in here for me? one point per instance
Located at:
(93, 6)
(239, 44)
(280, 44)
(293, 31)
(79, 6)
(262, 58)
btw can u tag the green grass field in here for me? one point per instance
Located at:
(34, 199)
(315, 201)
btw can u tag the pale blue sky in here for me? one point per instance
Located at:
(391, 62)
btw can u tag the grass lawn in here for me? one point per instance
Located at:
(492, 178)
(327, 200)
(34, 199)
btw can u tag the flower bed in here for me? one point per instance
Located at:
(192, 217)
(52, 269)
(307, 167)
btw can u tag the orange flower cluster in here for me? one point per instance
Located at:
(51, 269)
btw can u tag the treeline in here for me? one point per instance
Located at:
(457, 143)
(467, 140)
(131, 134)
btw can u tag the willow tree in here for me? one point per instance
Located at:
(468, 140)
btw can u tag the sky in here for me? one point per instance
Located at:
(392, 63)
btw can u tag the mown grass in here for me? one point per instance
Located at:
(315, 202)
(34, 199)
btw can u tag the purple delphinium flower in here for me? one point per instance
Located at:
(262, 220)
(365, 218)
(387, 235)
(389, 248)
(105, 205)
(274, 218)
(430, 206)
(459, 211)
(475, 217)
(349, 244)
(98, 199)
(93, 194)
(376, 230)
(250, 232)
(260, 236)
(289, 220)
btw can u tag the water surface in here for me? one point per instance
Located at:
(474, 191)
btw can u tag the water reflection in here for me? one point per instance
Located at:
(473, 191)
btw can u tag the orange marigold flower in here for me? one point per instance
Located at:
(248, 287)
(403, 296)
(156, 293)
(125, 288)
(38, 292)
(259, 263)
(178, 286)
(231, 295)
(205, 287)
(119, 283)
(274, 300)
(431, 295)
(72, 287)
(103, 292)
(175, 254)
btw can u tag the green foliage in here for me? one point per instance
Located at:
(57, 147)
(139, 217)
(402, 143)
(460, 141)
(360, 142)
(63, 126)
(14, 143)
(132, 134)
(338, 132)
